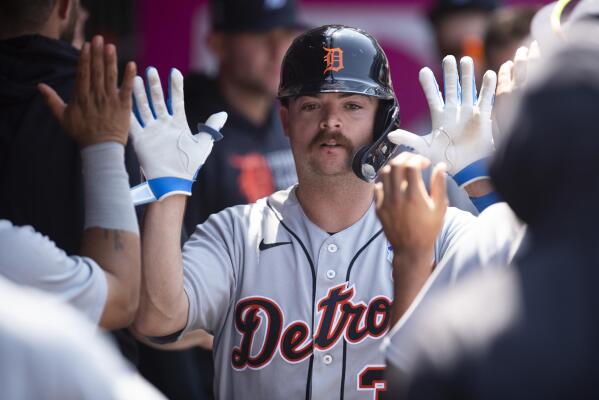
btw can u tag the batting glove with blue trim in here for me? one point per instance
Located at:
(169, 154)
(462, 134)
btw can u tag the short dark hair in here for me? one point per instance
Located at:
(508, 25)
(23, 15)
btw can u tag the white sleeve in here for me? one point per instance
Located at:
(486, 243)
(490, 243)
(31, 259)
(457, 223)
(208, 271)
(50, 352)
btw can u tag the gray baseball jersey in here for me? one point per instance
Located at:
(296, 312)
(31, 259)
(48, 351)
(491, 243)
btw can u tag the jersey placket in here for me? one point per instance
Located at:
(326, 374)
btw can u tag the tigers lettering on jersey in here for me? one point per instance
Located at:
(308, 314)
(339, 317)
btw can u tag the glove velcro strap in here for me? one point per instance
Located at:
(475, 171)
(485, 201)
(169, 185)
(216, 135)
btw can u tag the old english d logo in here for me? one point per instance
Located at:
(333, 59)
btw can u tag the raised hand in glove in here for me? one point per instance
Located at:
(169, 154)
(462, 132)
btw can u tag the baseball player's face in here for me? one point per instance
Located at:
(253, 60)
(326, 129)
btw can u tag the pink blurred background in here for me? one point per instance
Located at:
(171, 34)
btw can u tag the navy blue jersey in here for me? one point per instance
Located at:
(249, 163)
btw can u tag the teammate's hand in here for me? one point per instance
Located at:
(98, 111)
(411, 218)
(169, 154)
(462, 132)
(512, 77)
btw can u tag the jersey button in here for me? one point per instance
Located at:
(332, 248)
(331, 274)
(327, 359)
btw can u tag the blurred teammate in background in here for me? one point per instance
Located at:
(508, 29)
(253, 160)
(40, 169)
(528, 331)
(459, 28)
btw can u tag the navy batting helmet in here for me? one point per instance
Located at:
(342, 59)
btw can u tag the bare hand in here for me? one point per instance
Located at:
(411, 218)
(99, 111)
(512, 77)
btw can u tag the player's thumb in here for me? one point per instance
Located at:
(217, 120)
(53, 100)
(408, 139)
(439, 187)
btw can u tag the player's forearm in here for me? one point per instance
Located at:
(163, 305)
(111, 235)
(118, 253)
(196, 338)
(162, 139)
(410, 272)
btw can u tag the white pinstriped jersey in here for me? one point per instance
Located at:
(28, 258)
(296, 312)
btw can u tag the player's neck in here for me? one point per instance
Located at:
(337, 204)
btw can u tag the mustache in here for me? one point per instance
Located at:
(326, 135)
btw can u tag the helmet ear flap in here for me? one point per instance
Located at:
(386, 119)
(369, 160)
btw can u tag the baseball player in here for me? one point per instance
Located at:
(297, 288)
(529, 331)
(494, 240)
(103, 282)
(492, 243)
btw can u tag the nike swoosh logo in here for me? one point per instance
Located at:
(264, 246)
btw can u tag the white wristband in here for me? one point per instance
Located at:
(106, 188)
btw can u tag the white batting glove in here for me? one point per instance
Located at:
(169, 155)
(462, 131)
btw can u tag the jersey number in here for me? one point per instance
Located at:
(372, 378)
